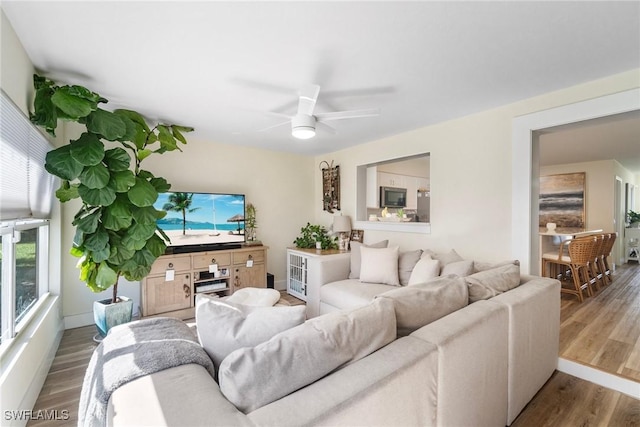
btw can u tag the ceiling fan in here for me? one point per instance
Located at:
(304, 122)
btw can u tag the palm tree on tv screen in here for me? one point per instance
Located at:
(180, 202)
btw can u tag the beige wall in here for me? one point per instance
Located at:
(470, 173)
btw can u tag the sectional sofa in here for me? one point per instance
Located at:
(477, 365)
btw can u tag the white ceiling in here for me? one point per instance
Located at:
(220, 66)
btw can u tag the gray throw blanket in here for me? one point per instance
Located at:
(131, 351)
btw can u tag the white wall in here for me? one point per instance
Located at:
(470, 173)
(26, 362)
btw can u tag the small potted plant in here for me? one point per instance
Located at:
(312, 236)
(116, 232)
(633, 218)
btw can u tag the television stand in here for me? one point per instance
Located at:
(175, 279)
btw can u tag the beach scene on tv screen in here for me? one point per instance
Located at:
(199, 218)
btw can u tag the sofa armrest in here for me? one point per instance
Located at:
(182, 396)
(534, 333)
(322, 270)
(472, 365)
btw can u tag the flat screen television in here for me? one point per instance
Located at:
(202, 221)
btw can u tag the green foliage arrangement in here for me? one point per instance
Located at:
(311, 233)
(633, 217)
(116, 233)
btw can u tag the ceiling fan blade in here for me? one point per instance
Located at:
(279, 115)
(274, 126)
(326, 127)
(353, 114)
(308, 98)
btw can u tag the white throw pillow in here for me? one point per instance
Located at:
(253, 377)
(446, 258)
(427, 268)
(224, 326)
(379, 265)
(356, 261)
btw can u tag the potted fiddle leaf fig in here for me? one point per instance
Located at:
(116, 233)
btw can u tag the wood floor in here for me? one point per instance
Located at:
(563, 401)
(604, 331)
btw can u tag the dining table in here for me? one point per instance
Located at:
(550, 240)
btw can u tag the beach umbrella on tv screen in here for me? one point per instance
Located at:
(237, 218)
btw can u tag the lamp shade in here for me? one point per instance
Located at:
(341, 224)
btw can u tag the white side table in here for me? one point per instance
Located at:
(632, 244)
(298, 269)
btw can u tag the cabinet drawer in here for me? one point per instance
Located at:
(177, 263)
(205, 259)
(241, 258)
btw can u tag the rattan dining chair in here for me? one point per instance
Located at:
(606, 253)
(572, 270)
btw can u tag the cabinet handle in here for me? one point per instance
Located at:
(213, 261)
(187, 291)
(250, 256)
(170, 265)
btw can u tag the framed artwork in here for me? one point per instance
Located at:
(562, 200)
(357, 235)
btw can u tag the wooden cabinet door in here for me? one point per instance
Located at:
(163, 296)
(255, 276)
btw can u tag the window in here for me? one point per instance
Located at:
(26, 192)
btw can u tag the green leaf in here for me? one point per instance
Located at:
(135, 117)
(142, 231)
(160, 184)
(67, 192)
(76, 252)
(132, 129)
(156, 245)
(117, 159)
(120, 254)
(60, 163)
(142, 193)
(123, 180)
(95, 176)
(97, 196)
(115, 223)
(106, 124)
(89, 223)
(78, 239)
(86, 269)
(137, 272)
(140, 138)
(167, 141)
(45, 113)
(101, 255)
(147, 215)
(144, 153)
(106, 276)
(71, 104)
(145, 174)
(96, 241)
(87, 150)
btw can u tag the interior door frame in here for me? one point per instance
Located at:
(526, 165)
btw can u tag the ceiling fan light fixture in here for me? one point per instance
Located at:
(303, 132)
(303, 126)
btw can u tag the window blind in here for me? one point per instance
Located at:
(26, 189)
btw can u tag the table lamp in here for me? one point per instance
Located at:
(342, 226)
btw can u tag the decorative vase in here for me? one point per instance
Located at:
(107, 315)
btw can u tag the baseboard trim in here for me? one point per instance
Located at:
(610, 381)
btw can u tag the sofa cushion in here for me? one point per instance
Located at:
(445, 258)
(256, 297)
(459, 268)
(483, 266)
(423, 303)
(356, 261)
(489, 283)
(225, 326)
(253, 377)
(350, 293)
(406, 263)
(379, 265)
(426, 269)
